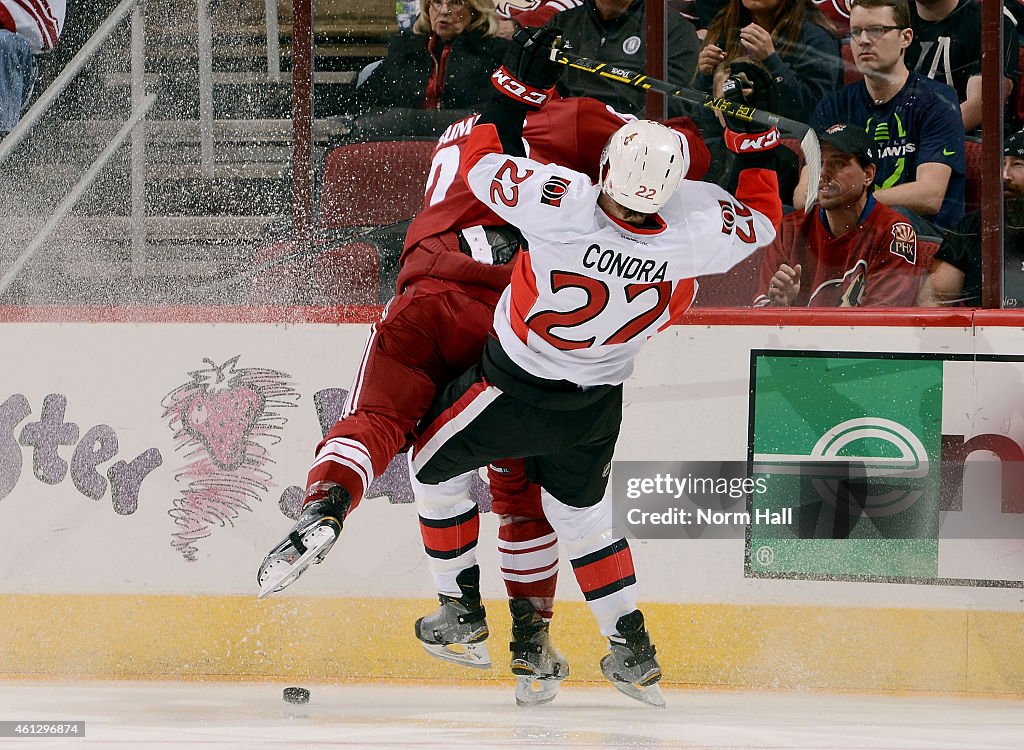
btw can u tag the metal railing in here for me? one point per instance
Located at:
(72, 69)
(206, 77)
(273, 42)
(75, 194)
(141, 104)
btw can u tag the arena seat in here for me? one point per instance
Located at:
(375, 183)
(330, 274)
(850, 72)
(926, 250)
(972, 187)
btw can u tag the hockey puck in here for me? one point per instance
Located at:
(296, 695)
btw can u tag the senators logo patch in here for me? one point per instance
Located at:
(554, 190)
(904, 242)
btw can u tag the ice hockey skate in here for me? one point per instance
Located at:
(457, 630)
(631, 666)
(312, 537)
(537, 664)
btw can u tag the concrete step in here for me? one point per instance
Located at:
(205, 230)
(241, 78)
(92, 261)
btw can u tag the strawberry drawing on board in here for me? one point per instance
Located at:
(225, 420)
(221, 419)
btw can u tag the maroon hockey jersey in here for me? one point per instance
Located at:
(873, 264)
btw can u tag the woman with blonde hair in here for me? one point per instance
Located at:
(444, 63)
(791, 38)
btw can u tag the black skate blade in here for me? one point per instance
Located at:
(473, 655)
(282, 573)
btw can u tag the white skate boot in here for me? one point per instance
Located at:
(457, 630)
(313, 535)
(631, 666)
(537, 664)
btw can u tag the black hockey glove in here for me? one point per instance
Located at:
(748, 86)
(528, 74)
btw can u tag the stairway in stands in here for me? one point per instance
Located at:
(203, 224)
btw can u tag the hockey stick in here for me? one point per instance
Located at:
(808, 139)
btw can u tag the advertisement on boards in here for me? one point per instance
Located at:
(891, 467)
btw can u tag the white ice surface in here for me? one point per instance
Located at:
(226, 716)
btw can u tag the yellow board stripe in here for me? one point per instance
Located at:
(328, 639)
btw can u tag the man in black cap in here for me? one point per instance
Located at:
(851, 250)
(955, 275)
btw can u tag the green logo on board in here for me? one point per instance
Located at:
(852, 445)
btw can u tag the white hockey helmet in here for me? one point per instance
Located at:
(642, 164)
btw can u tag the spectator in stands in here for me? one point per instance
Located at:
(722, 172)
(26, 31)
(789, 37)
(836, 11)
(444, 63)
(613, 31)
(947, 48)
(955, 275)
(852, 251)
(914, 121)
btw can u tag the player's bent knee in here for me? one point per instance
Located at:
(578, 528)
(444, 493)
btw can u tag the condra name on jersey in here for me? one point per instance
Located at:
(607, 260)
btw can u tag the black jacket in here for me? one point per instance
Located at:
(812, 69)
(401, 80)
(961, 248)
(621, 42)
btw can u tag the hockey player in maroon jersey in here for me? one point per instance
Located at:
(852, 251)
(603, 268)
(453, 270)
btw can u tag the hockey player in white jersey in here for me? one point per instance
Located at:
(603, 268)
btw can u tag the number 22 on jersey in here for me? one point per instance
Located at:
(646, 303)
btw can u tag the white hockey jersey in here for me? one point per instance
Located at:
(589, 290)
(39, 21)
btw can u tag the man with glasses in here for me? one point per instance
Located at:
(955, 275)
(914, 122)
